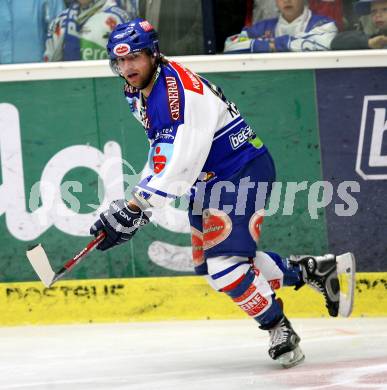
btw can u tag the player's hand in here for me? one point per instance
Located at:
(378, 42)
(120, 224)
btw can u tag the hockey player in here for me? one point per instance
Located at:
(296, 29)
(199, 142)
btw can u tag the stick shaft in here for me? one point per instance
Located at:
(78, 257)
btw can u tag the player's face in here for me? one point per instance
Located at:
(137, 68)
(379, 14)
(290, 9)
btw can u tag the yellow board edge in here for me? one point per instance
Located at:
(161, 298)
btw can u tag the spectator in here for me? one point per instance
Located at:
(23, 28)
(296, 29)
(331, 8)
(352, 40)
(81, 31)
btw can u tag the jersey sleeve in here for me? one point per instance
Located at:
(250, 39)
(238, 43)
(54, 40)
(256, 39)
(178, 155)
(317, 38)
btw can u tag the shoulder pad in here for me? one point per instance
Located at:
(189, 79)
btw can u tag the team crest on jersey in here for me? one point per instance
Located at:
(197, 246)
(255, 224)
(217, 226)
(173, 97)
(160, 156)
(121, 49)
(159, 160)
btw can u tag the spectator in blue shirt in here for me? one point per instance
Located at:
(23, 28)
(296, 29)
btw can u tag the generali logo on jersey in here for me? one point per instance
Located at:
(173, 97)
(371, 161)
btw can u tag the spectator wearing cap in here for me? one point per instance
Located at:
(296, 29)
(353, 40)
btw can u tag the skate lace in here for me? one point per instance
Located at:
(279, 335)
(317, 285)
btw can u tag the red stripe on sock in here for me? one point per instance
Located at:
(233, 284)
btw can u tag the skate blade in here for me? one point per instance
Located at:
(292, 358)
(346, 271)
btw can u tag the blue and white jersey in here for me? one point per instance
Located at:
(308, 32)
(195, 134)
(80, 33)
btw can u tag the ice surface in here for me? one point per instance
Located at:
(343, 354)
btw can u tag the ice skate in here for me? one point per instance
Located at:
(284, 346)
(333, 276)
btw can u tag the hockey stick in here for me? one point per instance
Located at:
(39, 261)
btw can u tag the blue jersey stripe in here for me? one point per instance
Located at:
(157, 192)
(228, 270)
(143, 186)
(224, 129)
(243, 285)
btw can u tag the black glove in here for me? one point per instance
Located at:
(120, 224)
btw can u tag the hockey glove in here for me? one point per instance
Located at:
(120, 224)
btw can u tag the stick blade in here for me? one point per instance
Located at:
(39, 261)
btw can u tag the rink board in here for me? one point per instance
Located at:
(311, 120)
(157, 299)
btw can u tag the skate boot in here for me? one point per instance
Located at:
(284, 344)
(333, 276)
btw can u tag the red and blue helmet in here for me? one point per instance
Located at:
(131, 37)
